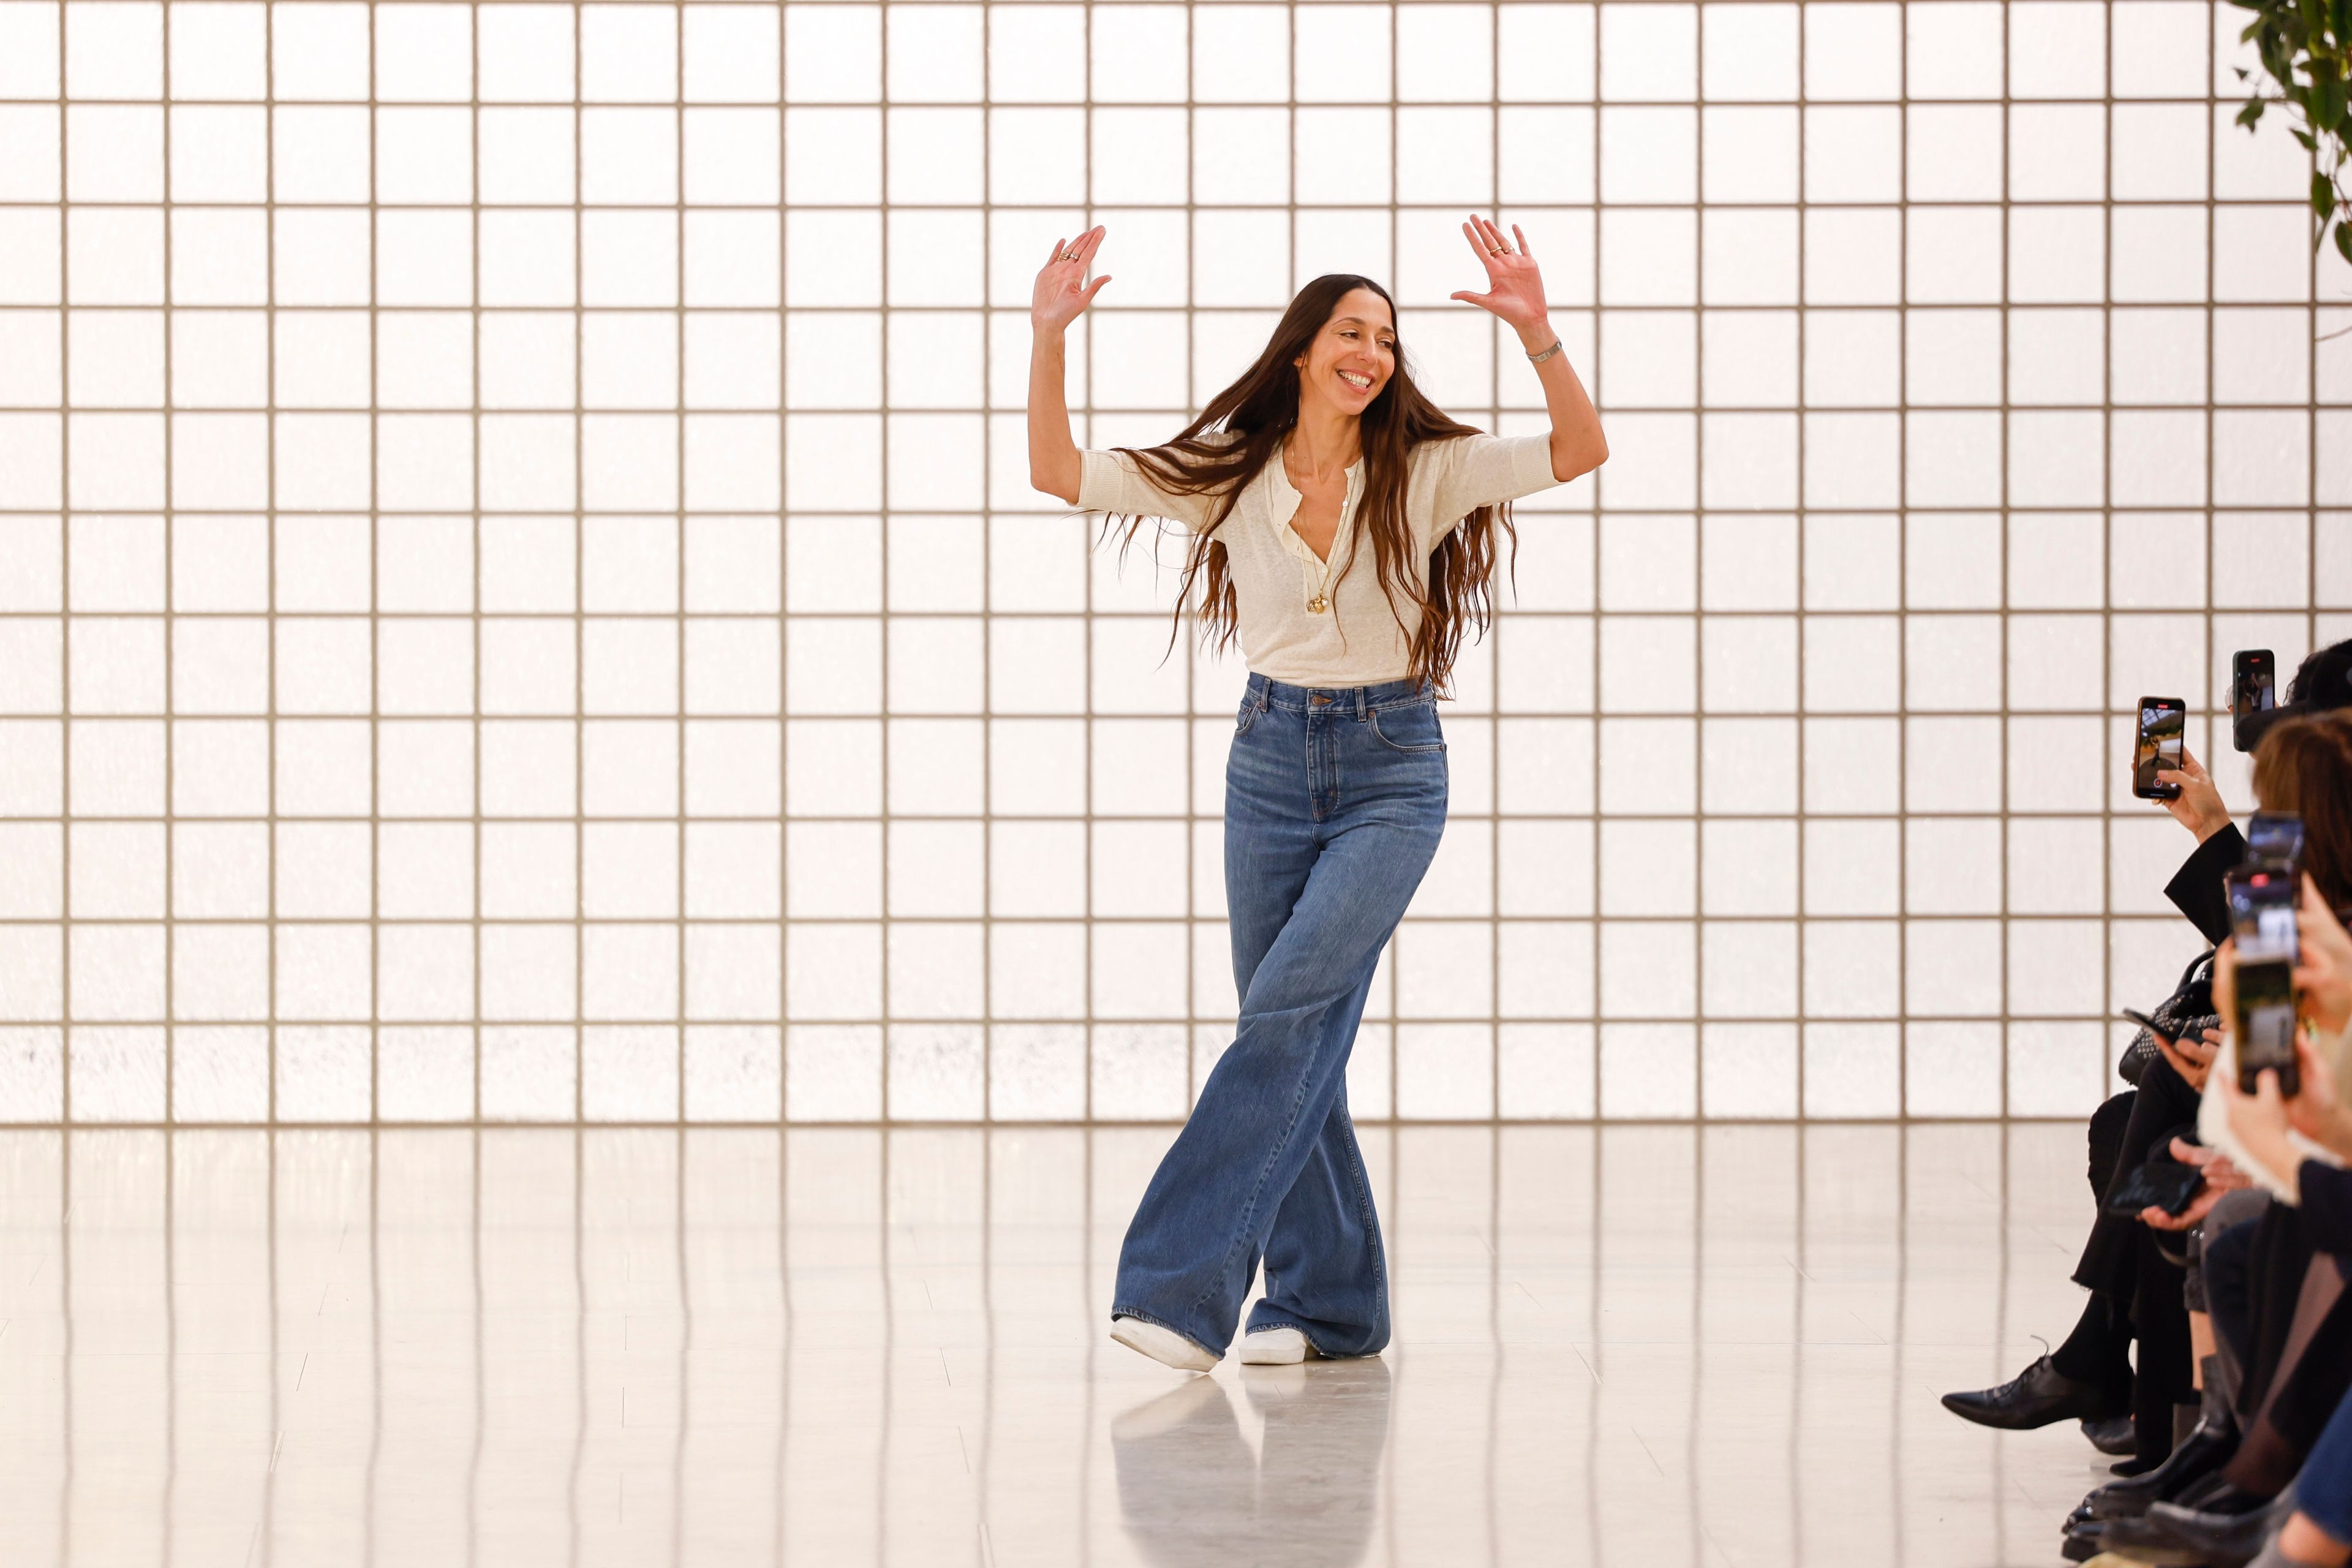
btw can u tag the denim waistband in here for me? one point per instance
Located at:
(1268, 693)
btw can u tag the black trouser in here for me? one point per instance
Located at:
(2124, 1262)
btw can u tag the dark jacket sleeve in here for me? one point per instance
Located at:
(2196, 888)
(2327, 1207)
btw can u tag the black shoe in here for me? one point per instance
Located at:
(2084, 1541)
(2215, 1539)
(2203, 1453)
(2110, 1434)
(2214, 1494)
(2034, 1397)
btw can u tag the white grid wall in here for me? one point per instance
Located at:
(520, 597)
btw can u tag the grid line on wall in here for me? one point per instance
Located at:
(1415, 1028)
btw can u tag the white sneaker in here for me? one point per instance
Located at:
(1275, 1347)
(1165, 1346)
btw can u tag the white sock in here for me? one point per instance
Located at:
(1165, 1346)
(1283, 1346)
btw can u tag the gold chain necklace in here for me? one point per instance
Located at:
(1319, 601)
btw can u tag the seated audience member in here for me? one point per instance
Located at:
(2135, 1289)
(2276, 1283)
(2135, 1279)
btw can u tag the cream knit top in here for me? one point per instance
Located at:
(1356, 640)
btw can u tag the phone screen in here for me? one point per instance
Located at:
(2162, 722)
(2262, 922)
(2253, 690)
(2254, 686)
(2262, 914)
(2275, 836)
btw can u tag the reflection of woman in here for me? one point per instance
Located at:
(1190, 1493)
(1343, 528)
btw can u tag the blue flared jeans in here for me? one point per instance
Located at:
(1335, 799)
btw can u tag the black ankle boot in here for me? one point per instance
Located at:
(2111, 1435)
(2208, 1447)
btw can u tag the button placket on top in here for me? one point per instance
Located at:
(1283, 500)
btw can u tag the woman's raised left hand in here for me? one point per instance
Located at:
(1514, 287)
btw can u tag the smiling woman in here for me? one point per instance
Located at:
(1335, 787)
(1362, 455)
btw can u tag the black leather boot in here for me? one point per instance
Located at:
(2216, 1494)
(2034, 1397)
(2209, 1445)
(2110, 1434)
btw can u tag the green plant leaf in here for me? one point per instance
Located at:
(2300, 134)
(2344, 237)
(2326, 106)
(2323, 197)
(2251, 112)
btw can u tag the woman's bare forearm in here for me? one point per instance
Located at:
(1577, 445)
(1054, 463)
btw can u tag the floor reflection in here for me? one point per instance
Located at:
(1193, 1493)
(842, 1346)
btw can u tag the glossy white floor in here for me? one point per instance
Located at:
(1645, 1345)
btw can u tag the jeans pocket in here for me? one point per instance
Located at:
(1245, 718)
(1412, 727)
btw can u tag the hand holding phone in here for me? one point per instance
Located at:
(2159, 1186)
(2323, 978)
(2190, 1052)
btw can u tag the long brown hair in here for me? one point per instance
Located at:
(2304, 766)
(1242, 428)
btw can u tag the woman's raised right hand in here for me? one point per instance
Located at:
(1063, 293)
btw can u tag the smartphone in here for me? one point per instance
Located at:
(2163, 720)
(2262, 922)
(2163, 1184)
(2274, 838)
(2253, 689)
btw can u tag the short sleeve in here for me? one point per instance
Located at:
(1115, 482)
(1471, 472)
